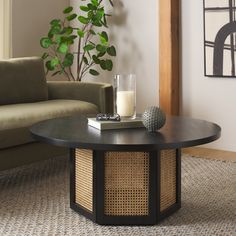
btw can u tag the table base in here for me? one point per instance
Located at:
(125, 188)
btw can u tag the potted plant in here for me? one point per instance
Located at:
(93, 46)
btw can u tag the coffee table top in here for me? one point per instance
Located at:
(73, 132)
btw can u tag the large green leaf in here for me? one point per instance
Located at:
(111, 51)
(93, 72)
(101, 54)
(103, 38)
(90, 14)
(101, 48)
(68, 10)
(109, 65)
(55, 61)
(69, 30)
(99, 15)
(92, 7)
(49, 66)
(64, 39)
(45, 42)
(68, 60)
(80, 33)
(97, 23)
(85, 60)
(103, 41)
(89, 47)
(96, 59)
(83, 20)
(73, 37)
(55, 29)
(55, 22)
(95, 2)
(63, 48)
(58, 39)
(104, 35)
(71, 17)
(70, 39)
(84, 8)
(103, 64)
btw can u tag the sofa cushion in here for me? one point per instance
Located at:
(16, 119)
(22, 80)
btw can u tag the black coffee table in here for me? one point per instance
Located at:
(127, 176)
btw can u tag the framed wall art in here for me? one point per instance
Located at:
(220, 38)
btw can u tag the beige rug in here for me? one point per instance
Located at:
(34, 200)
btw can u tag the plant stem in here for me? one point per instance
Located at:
(80, 63)
(79, 52)
(71, 74)
(86, 68)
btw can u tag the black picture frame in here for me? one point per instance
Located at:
(219, 44)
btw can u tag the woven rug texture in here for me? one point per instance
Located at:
(34, 200)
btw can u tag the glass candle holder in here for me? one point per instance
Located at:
(125, 95)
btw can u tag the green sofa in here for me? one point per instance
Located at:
(26, 98)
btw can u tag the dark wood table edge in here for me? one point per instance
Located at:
(114, 147)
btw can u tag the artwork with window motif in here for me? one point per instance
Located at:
(220, 38)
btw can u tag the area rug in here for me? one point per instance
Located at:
(34, 200)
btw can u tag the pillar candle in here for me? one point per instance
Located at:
(125, 103)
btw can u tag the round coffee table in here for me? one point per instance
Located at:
(125, 176)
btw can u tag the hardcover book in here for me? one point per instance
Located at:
(123, 124)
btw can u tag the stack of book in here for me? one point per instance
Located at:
(124, 123)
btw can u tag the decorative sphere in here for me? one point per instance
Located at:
(153, 118)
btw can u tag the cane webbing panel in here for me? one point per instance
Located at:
(126, 183)
(168, 179)
(84, 178)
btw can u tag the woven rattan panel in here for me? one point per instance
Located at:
(168, 179)
(126, 183)
(84, 178)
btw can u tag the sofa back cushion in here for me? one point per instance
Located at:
(22, 80)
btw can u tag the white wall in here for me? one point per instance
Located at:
(134, 31)
(5, 29)
(30, 22)
(205, 98)
(136, 39)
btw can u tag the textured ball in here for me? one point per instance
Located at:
(153, 118)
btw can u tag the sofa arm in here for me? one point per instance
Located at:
(100, 94)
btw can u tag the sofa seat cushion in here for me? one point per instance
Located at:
(16, 119)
